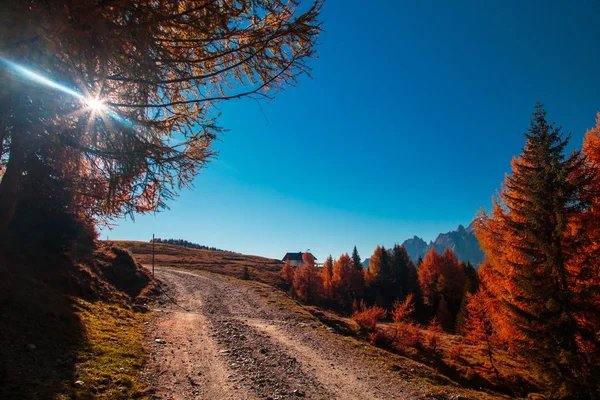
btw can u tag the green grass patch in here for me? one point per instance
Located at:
(109, 362)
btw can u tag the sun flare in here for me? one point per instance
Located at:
(95, 104)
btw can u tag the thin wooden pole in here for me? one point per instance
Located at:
(153, 254)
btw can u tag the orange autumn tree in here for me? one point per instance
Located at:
(378, 276)
(308, 282)
(454, 276)
(479, 328)
(346, 281)
(287, 272)
(589, 220)
(429, 271)
(327, 275)
(538, 278)
(453, 289)
(160, 69)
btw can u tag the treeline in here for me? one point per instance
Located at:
(437, 286)
(537, 294)
(185, 243)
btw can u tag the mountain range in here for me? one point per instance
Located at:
(462, 241)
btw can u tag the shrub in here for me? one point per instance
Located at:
(433, 332)
(456, 352)
(246, 273)
(408, 334)
(366, 317)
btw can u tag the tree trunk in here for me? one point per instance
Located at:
(9, 186)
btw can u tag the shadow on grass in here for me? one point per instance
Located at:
(41, 335)
(45, 345)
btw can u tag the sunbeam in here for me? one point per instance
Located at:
(94, 104)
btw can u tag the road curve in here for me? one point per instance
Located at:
(214, 338)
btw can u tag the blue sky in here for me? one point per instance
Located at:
(407, 127)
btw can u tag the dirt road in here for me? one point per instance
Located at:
(218, 339)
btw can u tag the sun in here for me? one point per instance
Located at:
(94, 104)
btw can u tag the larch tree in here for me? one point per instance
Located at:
(135, 116)
(379, 271)
(535, 246)
(453, 274)
(287, 272)
(308, 259)
(414, 287)
(443, 314)
(471, 287)
(479, 329)
(308, 283)
(454, 278)
(327, 275)
(429, 272)
(342, 281)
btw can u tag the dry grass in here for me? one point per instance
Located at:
(112, 355)
(466, 364)
(262, 269)
(452, 363)
(64, 322)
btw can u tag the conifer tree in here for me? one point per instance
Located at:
(429, 271)
(246, 273)
(375, 264)
(443, 314)
(308, 283)
(414, 288)
(356, 261)
(533, 242)
(454, 276)
(478, 325)
(287, 272)
(461, 317)
(399, 266)
(471, 276)
(342, 281)
(379, 271)
(327, 274)
(454, 279)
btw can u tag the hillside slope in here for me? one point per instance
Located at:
(72, 329)
(262, 269)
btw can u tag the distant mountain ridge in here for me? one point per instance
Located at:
(462, 241)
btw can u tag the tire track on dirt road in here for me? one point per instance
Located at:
(233, 344)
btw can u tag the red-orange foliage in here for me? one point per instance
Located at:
(453, 274)
(429, 271)
(541, 244)
(590, 219)
(287, 272)
(442, 280)
(434, 329)
(407, 332)
(308, 259)
(401, 311)
(308, 282)
(368, 279)
(347, 281)
(367, 317)
(327, 274)
(479, 328)
(379, 264)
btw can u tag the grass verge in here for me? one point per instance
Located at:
(108, 364)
